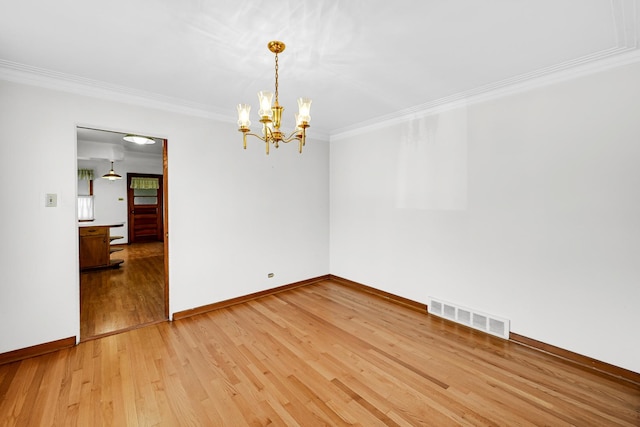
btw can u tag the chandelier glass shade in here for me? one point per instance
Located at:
(271, 114)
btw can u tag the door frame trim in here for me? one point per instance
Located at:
(165, 219)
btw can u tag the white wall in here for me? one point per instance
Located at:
(526, 207)
(255, 214)
(110, 197)
(543, 230)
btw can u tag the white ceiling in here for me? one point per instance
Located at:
(359, 60)
(86, 137)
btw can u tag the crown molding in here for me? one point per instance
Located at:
(625, 15)
(590, 64)
(522, 83)
(34, 76)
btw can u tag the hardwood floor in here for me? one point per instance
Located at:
(118, 299)
(322, 354)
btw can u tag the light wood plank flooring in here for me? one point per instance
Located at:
(322, 354)
(118, 299)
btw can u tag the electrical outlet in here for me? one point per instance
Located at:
(51, 200)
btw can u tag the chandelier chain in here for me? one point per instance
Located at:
(276, 78)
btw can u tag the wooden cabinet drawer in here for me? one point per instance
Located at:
(93, 231)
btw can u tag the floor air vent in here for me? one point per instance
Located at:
(488, 323)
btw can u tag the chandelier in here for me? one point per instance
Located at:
(270, 115)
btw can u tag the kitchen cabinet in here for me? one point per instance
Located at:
(95, 247)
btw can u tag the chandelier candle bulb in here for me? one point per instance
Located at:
(243, 115)
(304, 109)
(264, 98)
(271, 114)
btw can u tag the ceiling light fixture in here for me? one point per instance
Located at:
(111, 176)
(139, 139)
(270, 116)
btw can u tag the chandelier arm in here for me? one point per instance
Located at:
(260, 137)
(296, 134)
(299, 135)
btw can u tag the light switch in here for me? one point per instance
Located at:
(51, 200)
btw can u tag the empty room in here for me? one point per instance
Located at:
(428, 215)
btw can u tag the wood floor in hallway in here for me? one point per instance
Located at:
(122, 298)
(321, 354)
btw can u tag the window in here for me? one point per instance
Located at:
(85, 208)
(145, 196)
(145, 190)
(85, 195)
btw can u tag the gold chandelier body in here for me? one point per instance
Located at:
(271, 115)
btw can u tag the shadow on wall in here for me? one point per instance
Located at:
(432, 163)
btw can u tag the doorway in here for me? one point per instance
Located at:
(135, 293)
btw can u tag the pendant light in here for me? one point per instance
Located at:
(111, 176)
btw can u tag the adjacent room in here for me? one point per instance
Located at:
(121, 232)
(429, 215)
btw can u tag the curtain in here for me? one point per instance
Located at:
(145, 183)
(85, 208)
(85, 174)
